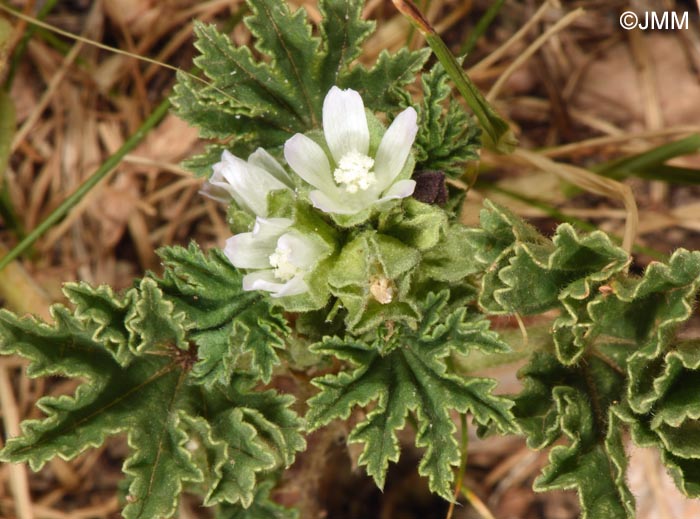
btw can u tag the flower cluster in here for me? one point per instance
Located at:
(344, 175)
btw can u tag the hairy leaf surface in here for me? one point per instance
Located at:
(574, 403)
(447, 137)
(144, 390)
(230, 327)
(253, 102)
(407, 372)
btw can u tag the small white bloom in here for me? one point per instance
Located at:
(352, 181)
(280, 256)
(248, 183)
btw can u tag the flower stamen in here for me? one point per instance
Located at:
(284, 270)
(354, 172)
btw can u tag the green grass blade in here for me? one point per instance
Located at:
(650, 164)
(62, 210)
(481, 27)
(497, 134)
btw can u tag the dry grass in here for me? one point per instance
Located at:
(575, 84)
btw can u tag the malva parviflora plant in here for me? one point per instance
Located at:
(347, 256)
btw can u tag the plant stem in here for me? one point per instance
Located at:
(464, 445)
(62, 210)
(477, 503)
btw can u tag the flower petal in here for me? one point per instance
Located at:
(345, 123)
(262, 280)
(244, 251)
(309, 161)
(249, 183)
(246, 193)
(303, 252)
(217, 188)
(325, 203)
(266, 280)
(395, 147)
(401, 189)
(252, 250)
(270, 228)
(293, 287)
(263, 160)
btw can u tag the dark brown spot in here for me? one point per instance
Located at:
(430, 187)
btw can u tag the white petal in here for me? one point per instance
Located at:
(236, 172)
(261, 183)
(263, 160)
(293, 287)
(252, 250)
(395, 147)
(244, 251)
(262, 280)
(303, 252)
(266, 280)
(217, 188)
(325, 203)
(309, 161)
(270, 228)
(401, 189)
(249, 183)
(345, 123)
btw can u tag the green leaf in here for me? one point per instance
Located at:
(529, 274)
(240, 433)
(617, 362)
(220, 438)
(263, 507)
(140, 399)
(383, 86)
(447, 138)
(405, 371)
(661, 405)
(342, 32)
(575, 403)
(286, 38)
(233, 329)
(101, 307)
(645, 313)
(153, 321)
(262, 102)
(452, 258)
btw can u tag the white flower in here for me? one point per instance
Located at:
(248, 183)
(280, 256)
(352, 180)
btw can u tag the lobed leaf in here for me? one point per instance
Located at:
(447, 138)
(406, 372)
(262, 507)
(143, 388)
(252, 102)
(575, 403)
(140, 400)
(232, 329)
